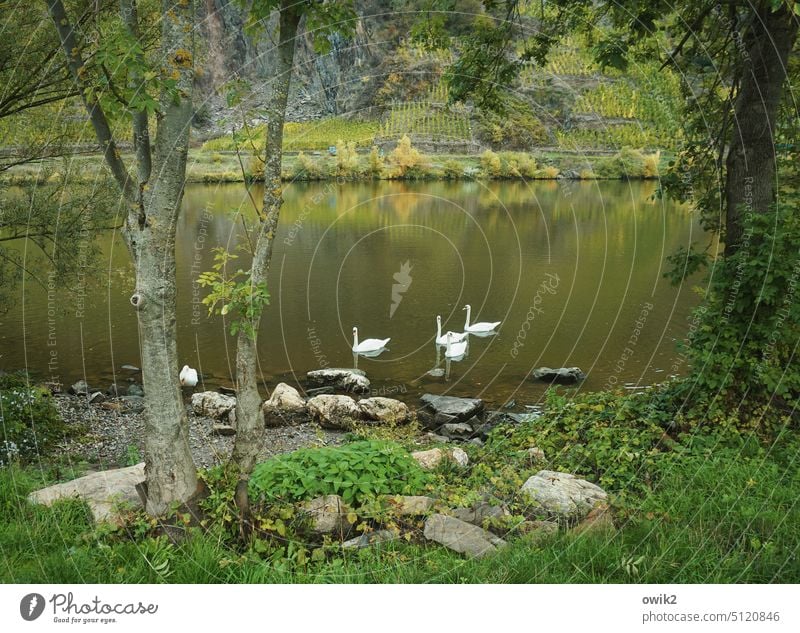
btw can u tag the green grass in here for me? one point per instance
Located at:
(720, 513)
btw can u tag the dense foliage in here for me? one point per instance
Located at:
(29, 422)
(356, 472)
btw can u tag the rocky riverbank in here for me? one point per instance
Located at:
(115, 436)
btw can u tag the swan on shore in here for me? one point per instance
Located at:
(188, 376)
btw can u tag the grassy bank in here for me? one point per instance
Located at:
(691, 506)
(352, 164)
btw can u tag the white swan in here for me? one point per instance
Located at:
(368, 345)
(454, 350)
(188, 376)
(476, 328)
(441, 339)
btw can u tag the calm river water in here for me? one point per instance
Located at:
(572, 270)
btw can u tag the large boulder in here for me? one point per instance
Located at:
(334, 411)
(461, 536)
(211, 404)
(563, 495)
(285, 406)
(562, 375)
(328, 515)
(384, 410)
(354, 380)
(101, 491)
(449, 409)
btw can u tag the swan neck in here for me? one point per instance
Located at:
(466, 323)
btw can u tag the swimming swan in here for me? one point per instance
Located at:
(483, 326)
(454, 350)
(441, 339)
(368, 345)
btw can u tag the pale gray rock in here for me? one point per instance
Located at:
(461, 536)
(212, 404)
(285, 406)
(328, 515)
(102, 491)
(563, 495)
(334, 411)
(384, 410)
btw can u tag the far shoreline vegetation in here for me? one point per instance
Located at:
(351, 163)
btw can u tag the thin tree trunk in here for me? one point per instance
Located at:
(249, 416)
(751, 169)
(150, 235)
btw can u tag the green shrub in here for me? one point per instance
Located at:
(490, 164)
(629, 163)
(357, 472)
(376, 163)
(29, 422)
(453, 169)
(518, 165)
(346, 158)
(307, 168)
(407, 159)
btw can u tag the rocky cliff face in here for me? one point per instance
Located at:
(341, 81)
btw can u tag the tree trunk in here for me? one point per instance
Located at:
(170, 470)
(249, 416)
(751, 170)
(150, 235)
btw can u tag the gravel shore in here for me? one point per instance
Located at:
(116, 438)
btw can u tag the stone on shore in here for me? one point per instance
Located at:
(212, 404)
(101, 491)
(460, 536)
(563, 495)
(448, 409)
(284, 407)
(334, 411)
(384, 410)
